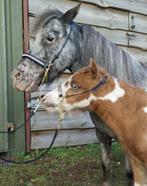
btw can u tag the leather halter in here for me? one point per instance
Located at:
(42, 63)
(94, 88)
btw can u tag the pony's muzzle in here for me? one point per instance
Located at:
(51, 100)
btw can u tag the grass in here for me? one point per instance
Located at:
(73, 166)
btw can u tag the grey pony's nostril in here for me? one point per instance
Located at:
(17, 75)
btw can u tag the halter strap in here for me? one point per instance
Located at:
(35, 60)
(97, 86)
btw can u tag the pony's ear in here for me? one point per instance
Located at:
(94, 69)
(70, 14)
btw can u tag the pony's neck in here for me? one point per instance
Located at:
(105, 105)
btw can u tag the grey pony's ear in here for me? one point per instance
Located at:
(70, 14)
(94, 69)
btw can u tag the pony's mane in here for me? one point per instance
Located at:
(116, 61)
(44, 17)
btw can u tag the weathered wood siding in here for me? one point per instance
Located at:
(125, 23)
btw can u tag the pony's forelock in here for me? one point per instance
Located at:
(44, 17)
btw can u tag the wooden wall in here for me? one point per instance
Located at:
(125, 23)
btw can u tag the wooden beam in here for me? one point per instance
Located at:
(26, 48)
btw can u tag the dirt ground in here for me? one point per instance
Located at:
(73, 166)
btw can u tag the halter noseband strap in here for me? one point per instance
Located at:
(42, 63)
(35, 60)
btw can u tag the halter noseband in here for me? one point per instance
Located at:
(42, 63)
(94, 88)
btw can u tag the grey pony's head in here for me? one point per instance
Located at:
(50, 32)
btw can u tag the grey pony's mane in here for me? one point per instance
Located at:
(92, 44)
(116, 61)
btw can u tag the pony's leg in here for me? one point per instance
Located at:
(140, 172)
(129, 172)
(105, 143)
(104, 136)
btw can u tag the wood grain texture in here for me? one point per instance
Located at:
(126, 5)
(138, 22)
(43, 120)
(94, 15)
(64, 138)
(138, 41)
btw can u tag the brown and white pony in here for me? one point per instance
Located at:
(121, 106)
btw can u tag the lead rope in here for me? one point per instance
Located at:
(34, 111)
(61, 113)
(41, 89)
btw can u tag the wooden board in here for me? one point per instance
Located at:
(65, 138)
(138, 22)
(138, 41)
(43, 120)
(109, 18)
(94, 15)
(128, 5)
(139, 6)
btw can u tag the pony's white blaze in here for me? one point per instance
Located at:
(115, 94)
(145, 109)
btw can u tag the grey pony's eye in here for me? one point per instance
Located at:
(74, 86)
(50, 39)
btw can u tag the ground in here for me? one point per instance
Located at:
(73, 166)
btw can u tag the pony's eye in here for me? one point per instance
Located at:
(50, 39)
(74, 86)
